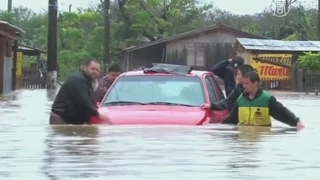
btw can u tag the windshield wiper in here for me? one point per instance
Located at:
(169, 103)
(123, 103)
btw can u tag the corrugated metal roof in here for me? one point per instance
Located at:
(279, 45)
(23, 47)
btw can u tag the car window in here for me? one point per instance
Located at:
(163, 88)
(211, 92)
(217, 88)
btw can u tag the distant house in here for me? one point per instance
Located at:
(275, 61)
(200, 48)
(9, 35)
(34, 75)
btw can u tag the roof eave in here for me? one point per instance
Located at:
(190, 33)
(16, 29)
(32, 48)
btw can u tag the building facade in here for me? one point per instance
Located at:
(200, 48)
(9, 36)
(276, 60)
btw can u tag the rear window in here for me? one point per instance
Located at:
(165, 88)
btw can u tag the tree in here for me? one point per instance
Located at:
(134, 22)
(310, 61)
(156, 19)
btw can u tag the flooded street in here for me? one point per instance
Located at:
(31, 149)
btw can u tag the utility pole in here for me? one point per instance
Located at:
(52, 44)
(318, 19)
(287, 4)
(9, 5)
(106, 34)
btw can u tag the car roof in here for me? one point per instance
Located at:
(142, 73)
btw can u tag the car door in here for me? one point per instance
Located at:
(215, 94)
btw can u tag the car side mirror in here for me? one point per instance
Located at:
(98, 104)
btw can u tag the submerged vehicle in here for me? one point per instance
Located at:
(164, 94)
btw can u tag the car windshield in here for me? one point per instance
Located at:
(162, 89)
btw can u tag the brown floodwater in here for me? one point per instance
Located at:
(31, 149)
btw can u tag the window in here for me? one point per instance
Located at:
(216, 87)
(165, 88)
(211, 92)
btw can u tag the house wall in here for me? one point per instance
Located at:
(274, 76)
(6, 60)
(144, 57)
(3, 52)
(246, 56)
(202, 50)
(243, 53)
(5, 65)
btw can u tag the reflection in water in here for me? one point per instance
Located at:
(72, 149)
(240, 148)
(243, 148)
(247, 148)
(256, 133)
(7, 101)
(10, 97)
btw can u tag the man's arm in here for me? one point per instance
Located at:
(77, 88)
(219, 69)
(224, 103)
(233, 117)
(281, 113)
(229, 102)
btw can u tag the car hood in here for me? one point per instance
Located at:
(154, 115)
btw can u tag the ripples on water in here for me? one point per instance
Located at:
(31, 149)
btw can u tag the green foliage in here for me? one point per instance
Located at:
(292, 37)
(310, 61)
(6, 16)
(133, 22)
(70, 61)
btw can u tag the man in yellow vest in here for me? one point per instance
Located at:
(255, 107)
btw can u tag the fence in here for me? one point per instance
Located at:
(307, 81)
(33, 77)
(279, 85)
(310, 80)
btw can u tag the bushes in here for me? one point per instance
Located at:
(310, 61)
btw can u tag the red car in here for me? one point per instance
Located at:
(162, 95)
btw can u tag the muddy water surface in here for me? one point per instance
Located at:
(31, 149)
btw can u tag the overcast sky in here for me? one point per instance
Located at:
(235, 6)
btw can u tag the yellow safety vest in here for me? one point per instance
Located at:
(254, 112)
